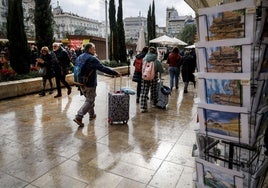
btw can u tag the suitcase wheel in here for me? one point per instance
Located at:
(110, 121)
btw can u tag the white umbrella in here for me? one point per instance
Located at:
(191, 46)
(178, 41)
(141, 41)
(162, 40)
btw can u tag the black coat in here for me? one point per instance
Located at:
(48, 64)
(188, 65)
(62, 62)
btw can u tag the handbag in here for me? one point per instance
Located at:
(136, 77)
(42, 71)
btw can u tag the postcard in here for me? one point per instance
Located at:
(234, 91)
(224, 122)
(224, 59)
(212, 175)
(228, 21)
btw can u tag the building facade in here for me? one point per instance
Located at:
(133, 26)
(175, 23)
(72, 24)
(3, 16)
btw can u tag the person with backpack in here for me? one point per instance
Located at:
(61, 68)
(138, 71)
(89, 70)
(150, 70)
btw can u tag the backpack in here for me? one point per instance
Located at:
(138, 65)
(148, 70)
(80, 79)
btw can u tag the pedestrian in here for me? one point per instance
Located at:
(173, 61)
(151, 85)
(138, 71)
(188, 67)
(61, 68)
(92, 64)
(130, 53)
(34, 54)
(45, 61)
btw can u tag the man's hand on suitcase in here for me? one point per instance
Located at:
(119, 74)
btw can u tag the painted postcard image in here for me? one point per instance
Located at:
(223, 92)
(225, 25)
(223, 123)
(224, 59)
(216, 179)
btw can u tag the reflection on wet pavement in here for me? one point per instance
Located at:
(41, 146)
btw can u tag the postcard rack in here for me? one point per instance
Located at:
(232, 54)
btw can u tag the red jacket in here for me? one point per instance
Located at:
(173, 59)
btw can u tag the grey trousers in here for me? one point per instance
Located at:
(88, 106)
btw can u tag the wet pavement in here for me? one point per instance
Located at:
(41, 146)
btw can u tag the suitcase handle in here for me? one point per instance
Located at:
(119, 86)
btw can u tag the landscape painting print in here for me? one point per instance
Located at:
(223, 92)
(223, 123)
(216, 179)
(215, 176)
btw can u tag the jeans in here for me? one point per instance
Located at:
(174, 74)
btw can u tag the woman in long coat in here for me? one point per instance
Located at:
(187, 69)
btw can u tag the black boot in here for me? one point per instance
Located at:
(42, 93)
(51, 91)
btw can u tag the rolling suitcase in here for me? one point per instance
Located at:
(118, 105)
(163, 95)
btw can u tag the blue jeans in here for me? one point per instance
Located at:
(174, 74)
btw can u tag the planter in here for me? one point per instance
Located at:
(16, 88)
(124, 70)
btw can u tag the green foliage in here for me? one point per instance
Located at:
(43, 23)
(121, 36)
(113, 32)
(19, 50)
(9, 74)
(151, 23)
(188, 34)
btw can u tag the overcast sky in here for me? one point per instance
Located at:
(95, 9)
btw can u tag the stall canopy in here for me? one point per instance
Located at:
(191, 46)
(178, 41)
(162, 40)
(166, 40)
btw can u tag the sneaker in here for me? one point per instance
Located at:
(78, 121)
(185, 91)
(91, 117)
(50, 92)
(42, 94)
(153, 105)
(144, 110)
